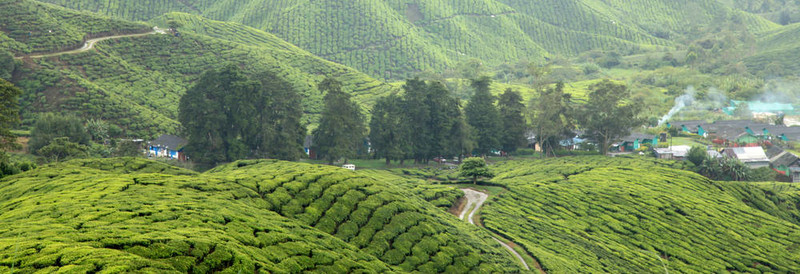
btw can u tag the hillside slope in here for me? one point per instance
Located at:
(595, 214)
(136, 82)
(392, 38)
(30, 26)
(250, 216)
(778, 52)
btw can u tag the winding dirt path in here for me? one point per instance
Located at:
(475, 200)
(88, 45)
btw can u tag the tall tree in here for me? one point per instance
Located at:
(389, 132)
(9, 114)
(552, 117)
(279, 113)
(341, 128)
(229, 116)
(50, 126)
(609, 114)
(213, 111)
(512, 120)
(483, 117)
(7, 64)
(435, 118)
(418, 111)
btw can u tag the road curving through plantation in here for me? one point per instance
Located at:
(88, 45)
(475, 200)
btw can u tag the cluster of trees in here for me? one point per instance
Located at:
(426, 122)
(228, 115)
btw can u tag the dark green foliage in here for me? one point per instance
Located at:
(617, 215)
(435, 120)
(483, 117)
(341, 128)
(552, 117)
(50, 126)
(512, 121)
(7, 64)
(9, 114)
(609, 114)
(61, 149)
(228, 116)
(390, 134)
(279, 115)
(127, 148)
(475, 167)
(724, 169)
(697, 154)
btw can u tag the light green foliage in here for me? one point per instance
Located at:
(128, 83)
(475, 167)
(598, 214)
(29, 26)
(442, 196)
(392, 39)
(140, 216)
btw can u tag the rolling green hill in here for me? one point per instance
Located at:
(136, 82)
(30, 27)
(778, 52)
(597, 214)
(392, 38)
(250, 216)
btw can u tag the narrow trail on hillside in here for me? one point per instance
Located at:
(88, 45)
(475, 200)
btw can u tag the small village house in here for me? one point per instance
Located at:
(753, 157)
(167, 146)
(673, 152)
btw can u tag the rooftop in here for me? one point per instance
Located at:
(170, 141)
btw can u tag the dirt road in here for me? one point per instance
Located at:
(475, 200)
(86, 46)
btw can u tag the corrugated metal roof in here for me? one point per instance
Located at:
(747, 154)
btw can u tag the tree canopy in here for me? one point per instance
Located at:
(341, 128)
(50, 126)
(512, 120)
(475, 167)
(609, 114)
(482, 115)
(9, 113)
(229, 116)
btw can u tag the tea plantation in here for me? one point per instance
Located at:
(132, 215)
(626, 215)
(136, 83)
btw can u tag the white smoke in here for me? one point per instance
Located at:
(687, 99)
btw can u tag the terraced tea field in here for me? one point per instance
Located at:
(595, 214)
(131, 215)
